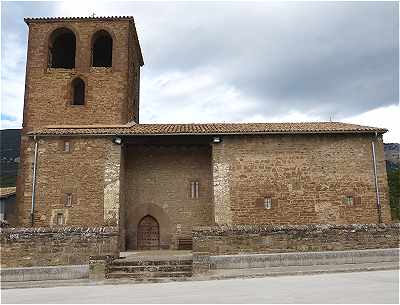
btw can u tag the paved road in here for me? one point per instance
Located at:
(361, 287)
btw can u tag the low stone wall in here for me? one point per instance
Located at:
(26, 247)
(44, 273)
(250, 240)
(247, 261)
(219, 240)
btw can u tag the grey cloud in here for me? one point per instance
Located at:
(335, 57)
(312, 57)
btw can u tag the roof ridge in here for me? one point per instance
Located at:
(77, 18)
(94, 126)
(208, 129)
(302, 122)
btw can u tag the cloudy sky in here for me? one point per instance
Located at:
(241, 61)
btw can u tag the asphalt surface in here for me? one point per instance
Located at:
(360, 287)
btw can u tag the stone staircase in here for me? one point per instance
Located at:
(154, 269)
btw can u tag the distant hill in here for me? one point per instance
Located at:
(9, 143)
(392, 155)
(9, 156)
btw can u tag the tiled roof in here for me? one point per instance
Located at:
(55, 19)
(7, 192)
(210, 129)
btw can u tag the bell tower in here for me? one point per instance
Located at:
(82, 71)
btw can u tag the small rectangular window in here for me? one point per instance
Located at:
(2, 210)
(68, 200)
(67, 146)
(194, 189)
(60, 219)
(349, 200)
(268, 203)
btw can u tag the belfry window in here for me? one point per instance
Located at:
(78, 91)
(102, 45)
(62, 47)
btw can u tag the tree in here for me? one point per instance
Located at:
(394, 190)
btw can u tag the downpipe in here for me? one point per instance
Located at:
(378, 200)
(34, 181)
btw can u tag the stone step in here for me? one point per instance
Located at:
(124, 262)
(148, 275)
(147, 268)
(151, 268)
(148, 280)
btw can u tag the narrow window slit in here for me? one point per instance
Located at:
(194, 189)
(68, 200)
(268, 203)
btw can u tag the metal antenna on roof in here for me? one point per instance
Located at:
(93, 15)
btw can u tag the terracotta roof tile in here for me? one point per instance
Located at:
(7, 192)
(210, 129)
(96, 18)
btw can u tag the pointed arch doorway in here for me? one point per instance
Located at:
(148, 234)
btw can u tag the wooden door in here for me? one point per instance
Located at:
(148, 234)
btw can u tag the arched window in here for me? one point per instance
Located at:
(102, 45)
(62, 46)
(78, 91)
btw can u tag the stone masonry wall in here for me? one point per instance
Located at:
(307, 177)
(220, 240)
(48, 94)
(112, 185)
(133, 78)
(221, 185)
(26, 247)
(111, 93)
(89, 172)
(158, 184)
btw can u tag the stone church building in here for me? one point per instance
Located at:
(86, 160)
